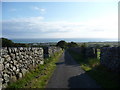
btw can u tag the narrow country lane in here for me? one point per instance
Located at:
(68, 74)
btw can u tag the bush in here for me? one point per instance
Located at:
(20, 45)
(62, 44)
(7, 43)
(106, 45)
(84, 45)
(72, 44)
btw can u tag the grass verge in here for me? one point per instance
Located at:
(38, 77)
(104, 77)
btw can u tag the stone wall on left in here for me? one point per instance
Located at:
(15, 62)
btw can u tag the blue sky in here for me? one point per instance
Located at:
(59, 19)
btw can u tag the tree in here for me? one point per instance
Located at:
(62, 44)
(7, 43)
(72, 44)
(84, 45)
(107, 45)
(20, 45)
(97, 46)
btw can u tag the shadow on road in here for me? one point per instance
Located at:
(82, 81)
(69, 60)
(59, 63)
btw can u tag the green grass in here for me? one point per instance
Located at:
(38, 77)
(98, 53)
(104, 77)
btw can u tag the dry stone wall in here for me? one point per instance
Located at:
(49, 51)
(76, 49)
(88, 52)
(91, 52)
(110, 58)
(15, 62)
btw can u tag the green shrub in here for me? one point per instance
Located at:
(62, 44)
(7, 43)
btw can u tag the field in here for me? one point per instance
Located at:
(100, 44)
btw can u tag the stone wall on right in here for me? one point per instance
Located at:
(110, 58)
(88, 52)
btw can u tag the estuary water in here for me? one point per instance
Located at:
(54, 40)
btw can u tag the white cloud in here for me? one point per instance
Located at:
(41, 10)
(37, 27)
(36, 8)
(25, 20)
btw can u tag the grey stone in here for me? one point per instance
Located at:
(1, 67)
(23, 71)
(11, 66)
(7, 65)
(9, 50)
(17, 54)
(18, 70)
(2, 60)
(21, 48)
(14, 62)
(11, 62)
(1, 80)
(5, 56)
(4, 85)
(6, 77)
(20, 53)
(15, 49)
(20, 75)
(14, 68)
(41, 62)
(17, 58)
(12, 55)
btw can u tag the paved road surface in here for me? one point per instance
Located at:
(68, 74)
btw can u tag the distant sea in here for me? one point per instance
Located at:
(48, 40)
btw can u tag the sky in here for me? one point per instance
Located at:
(59, 19)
